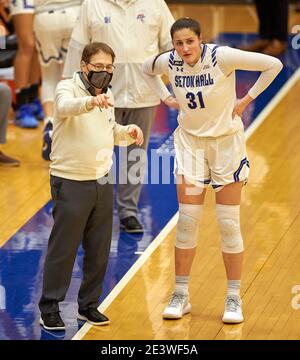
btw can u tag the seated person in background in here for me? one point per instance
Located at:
(273, 27)
(5, 103)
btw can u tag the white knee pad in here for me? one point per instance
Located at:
(51, 75)
(229, 222)
(187, 226)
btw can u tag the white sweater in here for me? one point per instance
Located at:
(83, 137)
(135, 30)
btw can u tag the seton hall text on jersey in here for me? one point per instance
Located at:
(192, 81)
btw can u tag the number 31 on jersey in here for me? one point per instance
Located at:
(195, 101)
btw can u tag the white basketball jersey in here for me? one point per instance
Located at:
(206, 96)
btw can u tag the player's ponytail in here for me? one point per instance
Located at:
(157, 56)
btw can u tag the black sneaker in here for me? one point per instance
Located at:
(131, 225)
(93, 316)
(52, 321)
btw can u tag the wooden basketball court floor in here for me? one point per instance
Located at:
(270, 220)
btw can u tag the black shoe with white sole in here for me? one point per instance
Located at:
(131, 225)
(52, 321)
(93, 316)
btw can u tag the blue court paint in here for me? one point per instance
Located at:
(22, 257)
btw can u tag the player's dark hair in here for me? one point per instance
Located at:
(94, 48)
(186, 23)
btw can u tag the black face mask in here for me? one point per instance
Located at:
(99, 79)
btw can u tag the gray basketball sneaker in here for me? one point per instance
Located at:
(233, 313)
(178, 306)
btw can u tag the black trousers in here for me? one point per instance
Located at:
(273, 19)
(83, 211)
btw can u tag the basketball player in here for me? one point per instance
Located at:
(53, 25)
(209, 146)
(26, 67)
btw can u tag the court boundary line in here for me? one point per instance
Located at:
(257, 122)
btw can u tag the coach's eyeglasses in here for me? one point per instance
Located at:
(100, 67)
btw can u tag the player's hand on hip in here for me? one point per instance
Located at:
(136, 133)
(102, 101)
(241, 105)
(172, 102)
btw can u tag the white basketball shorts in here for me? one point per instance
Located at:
(217, 161)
